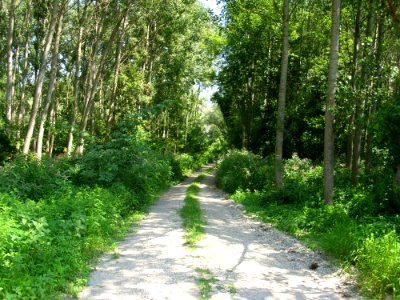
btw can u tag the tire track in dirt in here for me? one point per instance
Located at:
(152, 262)
(239, 258)
(251, 260)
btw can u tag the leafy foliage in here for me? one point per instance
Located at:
(125, 160)
(29, 179)
(242, 169)
(58, 216)
(47, 246)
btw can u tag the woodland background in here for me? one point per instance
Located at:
(102, 110)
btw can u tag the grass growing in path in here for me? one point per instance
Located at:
(192, 216)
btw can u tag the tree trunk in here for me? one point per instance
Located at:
(359, 118)
(39, 81)
(50, 89)
(377, 86)
(89, 102)
(350, 137)
(24, 79)
(76, 80)
(10, 74)
(330, 104)
(53, 120)
(280, 126)
(111, 116)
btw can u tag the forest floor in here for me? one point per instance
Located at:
(239, 258)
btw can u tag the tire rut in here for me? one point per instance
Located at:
(239, 258)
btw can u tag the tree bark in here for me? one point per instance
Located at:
(118, 55)
(10, 73)
(50, 89)
(377, 86)
(330, 104)
(280, 126)
(39, 81)
(350, 136)
(77, 79)
(89, 102)
(359, 118)
(24, 79)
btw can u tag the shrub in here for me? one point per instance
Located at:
(378, 259)
(124, 160)
(242, 169)
(30, 179)
(186, 163)
(45, 246)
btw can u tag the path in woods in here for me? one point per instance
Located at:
(240, 258)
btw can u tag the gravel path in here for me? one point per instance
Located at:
(252, 260)
(240, 258)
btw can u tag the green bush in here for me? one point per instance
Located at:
(30, 179)
(48, 245)
(58, 216)
(242, 170)
(186, 163)
(378, 259)
(124, 160)
(302, 183)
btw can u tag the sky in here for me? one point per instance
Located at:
(212, 4)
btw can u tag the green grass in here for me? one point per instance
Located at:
(205, 282)
(192, 215)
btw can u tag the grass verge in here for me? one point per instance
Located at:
(192, 215)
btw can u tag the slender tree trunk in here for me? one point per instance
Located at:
(76, 80)
(10, 74)
(280, 126)
(50, 89)
(350, 136)
(24, 79)
(330, 104)
(89, 102)
(53, 120)
(359, 118)
(377, 86)
(39, 81)
(111, 116)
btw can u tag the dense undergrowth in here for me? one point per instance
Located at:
(361, 229)
(58, 216)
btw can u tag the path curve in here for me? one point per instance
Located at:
(240, 258)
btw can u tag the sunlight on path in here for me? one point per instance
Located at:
(152, 263)
(250, 260)
(239, 258)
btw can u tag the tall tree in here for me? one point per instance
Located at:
(330, 104)
(40, 77)
(77, 76)
(10, 73)
(51, 86)
(280, 126)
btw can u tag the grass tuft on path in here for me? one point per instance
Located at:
(192, 215)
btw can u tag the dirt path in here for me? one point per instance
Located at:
(240, 258)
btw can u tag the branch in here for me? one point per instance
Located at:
(392, 11)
